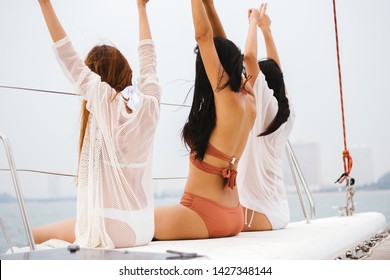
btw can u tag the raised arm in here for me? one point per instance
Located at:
(148, 82)
(205, 40)
(144, 28)
(250, 54)
(53, 24)
(218, 30)
(73, 67)
(264, 22)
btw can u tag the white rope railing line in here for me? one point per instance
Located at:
(73, 175)
(73, 94)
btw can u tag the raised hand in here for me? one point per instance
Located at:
(144, 28)
(53, 24)
(253, 14)
(264, 22)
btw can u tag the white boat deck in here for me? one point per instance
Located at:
(321, 239)
(325, 238)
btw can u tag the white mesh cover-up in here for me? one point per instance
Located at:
(115, 206)
(260, 174)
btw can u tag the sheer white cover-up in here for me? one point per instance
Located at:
(260, 175)
(115, 206)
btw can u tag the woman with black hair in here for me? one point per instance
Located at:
(222, 115)
(260, 180)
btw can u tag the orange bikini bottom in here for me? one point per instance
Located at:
(220, 221)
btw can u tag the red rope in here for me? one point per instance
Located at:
(347, 159)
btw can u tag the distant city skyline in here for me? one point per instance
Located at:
(310, 161)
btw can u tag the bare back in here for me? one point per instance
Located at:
(235, 113)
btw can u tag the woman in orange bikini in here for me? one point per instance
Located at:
(222, 115)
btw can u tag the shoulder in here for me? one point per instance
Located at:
(264, 95)
(260, 80)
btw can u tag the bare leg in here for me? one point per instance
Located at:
(63, 230)
(260, 221)
(178, 222)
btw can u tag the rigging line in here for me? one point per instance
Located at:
(175, 105)
(40, 171)
(347, 159)
(72, 175)
(39, 90)
(183, 81)
(73, 94)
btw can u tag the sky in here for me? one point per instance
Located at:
(43, 127)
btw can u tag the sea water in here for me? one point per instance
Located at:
(40, 213)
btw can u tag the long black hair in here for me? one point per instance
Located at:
(202, 118)
(274, 77)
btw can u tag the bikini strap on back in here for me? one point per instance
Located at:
(212, 151)
(229, 174)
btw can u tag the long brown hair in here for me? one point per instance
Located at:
(113, 68)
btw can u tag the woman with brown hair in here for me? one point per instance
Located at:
(114, 183)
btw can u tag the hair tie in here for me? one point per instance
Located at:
(131, 95)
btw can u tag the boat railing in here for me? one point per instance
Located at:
(299, 179)
(300, 184)
(18, 191)
(6, 236)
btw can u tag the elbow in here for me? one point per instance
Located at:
(250, 57)
(202, 36)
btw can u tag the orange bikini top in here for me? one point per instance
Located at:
(229, 174)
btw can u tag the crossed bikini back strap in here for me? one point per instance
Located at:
(229, 173)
